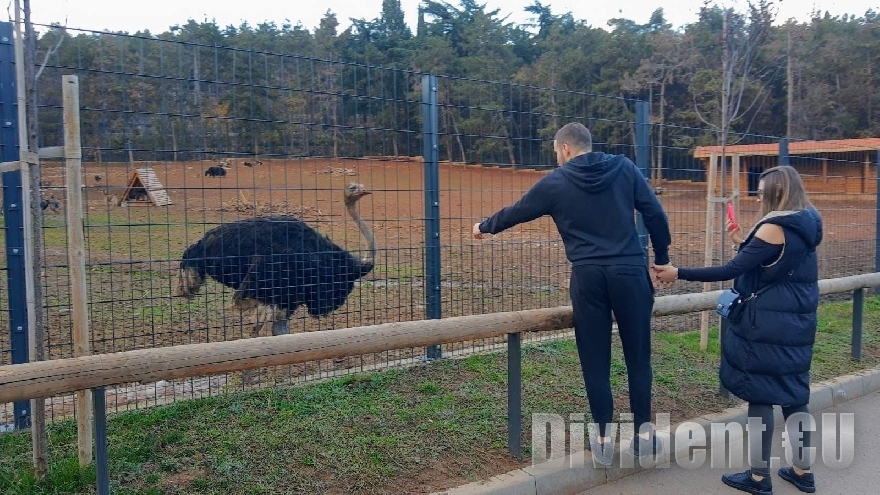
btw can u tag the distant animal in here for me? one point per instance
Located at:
(50, 202)
(139, 194)
(659, 190)
(215, 171)
(97, 178)
(251, 164)
(276, 264)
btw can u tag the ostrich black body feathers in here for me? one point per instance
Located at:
(278, 261)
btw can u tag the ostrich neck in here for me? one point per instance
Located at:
(366, 232)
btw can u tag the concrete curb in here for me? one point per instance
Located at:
(574, 474)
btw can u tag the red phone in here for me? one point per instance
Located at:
(732, 217)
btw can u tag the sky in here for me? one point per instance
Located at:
(159, 15)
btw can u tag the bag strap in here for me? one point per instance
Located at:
(771, 284)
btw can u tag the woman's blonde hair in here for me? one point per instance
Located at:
(783, 190)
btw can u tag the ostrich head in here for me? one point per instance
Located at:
(352, 194)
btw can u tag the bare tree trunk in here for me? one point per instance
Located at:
(726, 81)
(790, 87)
(445, 114)
(38, 411)
(458, 139)
(662, 120)
(173, 140)
(510, 154)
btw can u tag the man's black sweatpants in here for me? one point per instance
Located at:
(627, 291)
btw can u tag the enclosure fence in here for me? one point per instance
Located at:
(180, 137)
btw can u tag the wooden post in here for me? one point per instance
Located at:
(35, 335)
(712, 170)
(77, 257)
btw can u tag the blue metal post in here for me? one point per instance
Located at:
(13, 214)
(514, 394)
(642, 161)
(102, 470)
(431, 152)
(783, 152)
(858, 323)
(877, 220)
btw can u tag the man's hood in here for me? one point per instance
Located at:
(592, 172)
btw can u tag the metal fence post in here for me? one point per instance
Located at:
(102, 472)
(642, 161)
(13, 215)
(783, 152)
(858, 323)
(877, 222)
(431, 152)
(514, 394)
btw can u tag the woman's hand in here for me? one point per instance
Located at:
(735, 232)
(666, 274)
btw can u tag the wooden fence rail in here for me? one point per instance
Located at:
(43, 379)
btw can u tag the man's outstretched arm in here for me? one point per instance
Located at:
(537, 202)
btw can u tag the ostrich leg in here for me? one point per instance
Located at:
(280, 325)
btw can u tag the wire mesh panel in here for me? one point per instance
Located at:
(496, 142)
(217, 177)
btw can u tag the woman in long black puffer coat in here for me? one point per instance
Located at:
(768, 351)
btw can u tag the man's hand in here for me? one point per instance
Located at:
(478, 234)
(665, 275)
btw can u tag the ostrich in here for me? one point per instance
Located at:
(277, 263)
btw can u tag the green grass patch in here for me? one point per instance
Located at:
(440, 424)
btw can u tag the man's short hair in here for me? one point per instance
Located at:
(575, 135)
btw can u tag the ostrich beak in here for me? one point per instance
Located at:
(364, 192)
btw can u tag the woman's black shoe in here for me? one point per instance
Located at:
(745, 482)
(804, 482)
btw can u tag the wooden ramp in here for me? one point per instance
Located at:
(145, 189)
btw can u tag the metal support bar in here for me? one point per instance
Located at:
(642, 161)
(858, 323)
(514, 394)
(783, 152)
(877, 221)
(13, 214)
(52, 152)
(103, 474)
(10, 167)
(431, 152)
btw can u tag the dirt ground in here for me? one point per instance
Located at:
(133, 251)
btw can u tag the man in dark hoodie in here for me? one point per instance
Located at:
(592, 197)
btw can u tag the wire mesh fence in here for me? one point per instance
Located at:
(181, 138)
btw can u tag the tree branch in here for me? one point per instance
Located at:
(52, 50)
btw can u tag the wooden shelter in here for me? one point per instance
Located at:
(144, 188)
(835, 167)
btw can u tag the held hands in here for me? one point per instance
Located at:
(663, 276)
(476, 231)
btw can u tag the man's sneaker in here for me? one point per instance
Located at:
(602, 453)
(804, 482)
(745, 482)
(641, 447)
